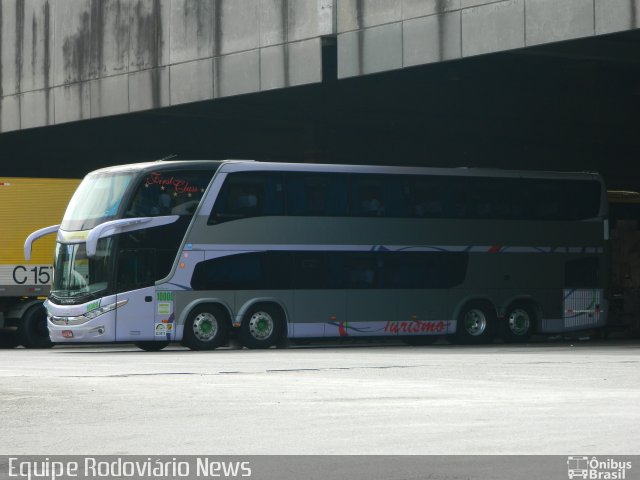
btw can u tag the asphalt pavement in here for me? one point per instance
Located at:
(558, 398)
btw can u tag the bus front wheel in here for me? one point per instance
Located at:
(206, 328)
(520, 323)
(476, 323)
(261, 326)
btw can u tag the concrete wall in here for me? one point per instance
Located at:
(380, 35)
(70, 60)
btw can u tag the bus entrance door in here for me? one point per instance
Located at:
(135, 319)
(135, 274)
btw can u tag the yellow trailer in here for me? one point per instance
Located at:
(27, 204)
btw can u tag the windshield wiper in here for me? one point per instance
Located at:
(60, 293)
(79, 294)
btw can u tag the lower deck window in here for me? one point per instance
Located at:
(275, 270)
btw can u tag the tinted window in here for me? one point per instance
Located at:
(503, 198)
(427, 198)
(368, 197)
(136, 269)
(169, 193)
(246, 195)
(316, 194)
(420, 196)
(331, 270)
(145, 256)
(487, 198)
(425, 270)
(241, 271)
(245, 271)
(534, 199)
(157, 245)
(309, 270)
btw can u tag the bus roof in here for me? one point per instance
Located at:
(250, 165)
(157, 164)
(229, 166)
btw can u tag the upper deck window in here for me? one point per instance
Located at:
(169, 193)
(257, 194)
(252, 194)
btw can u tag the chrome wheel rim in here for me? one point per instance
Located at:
(261, 325)
(205, 326)
(475, 322)
(519, 321)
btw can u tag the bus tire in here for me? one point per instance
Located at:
(519, 324)
(476, 323)
(151, 346)
(33, 331)
(206, 328)
(420, 340)
(262, 326)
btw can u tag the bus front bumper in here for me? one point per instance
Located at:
(100, 329)
(90, 322)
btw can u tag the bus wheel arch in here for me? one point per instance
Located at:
(206, 326)
(521, 320)
(476, 321)
(263, 325)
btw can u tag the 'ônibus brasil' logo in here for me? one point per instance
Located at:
(608, 469)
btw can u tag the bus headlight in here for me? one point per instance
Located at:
(84, 318)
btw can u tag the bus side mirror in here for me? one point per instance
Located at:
(122, 226)
(36, 235)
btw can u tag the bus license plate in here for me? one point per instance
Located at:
(67, 334)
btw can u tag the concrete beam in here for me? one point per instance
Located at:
(78, 59)
(70, 60)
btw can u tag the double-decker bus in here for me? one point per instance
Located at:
(196, 251)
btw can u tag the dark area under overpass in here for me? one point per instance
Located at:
(566, 106)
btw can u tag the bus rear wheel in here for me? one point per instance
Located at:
(476, 323)
(261, 326)
(33, 331)
(206, 328)
(520, 323)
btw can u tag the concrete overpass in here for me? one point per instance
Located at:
(544, 84)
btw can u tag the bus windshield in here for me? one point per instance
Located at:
(97, 200)
(77, 275)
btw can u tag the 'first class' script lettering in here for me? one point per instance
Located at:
(179, 185)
